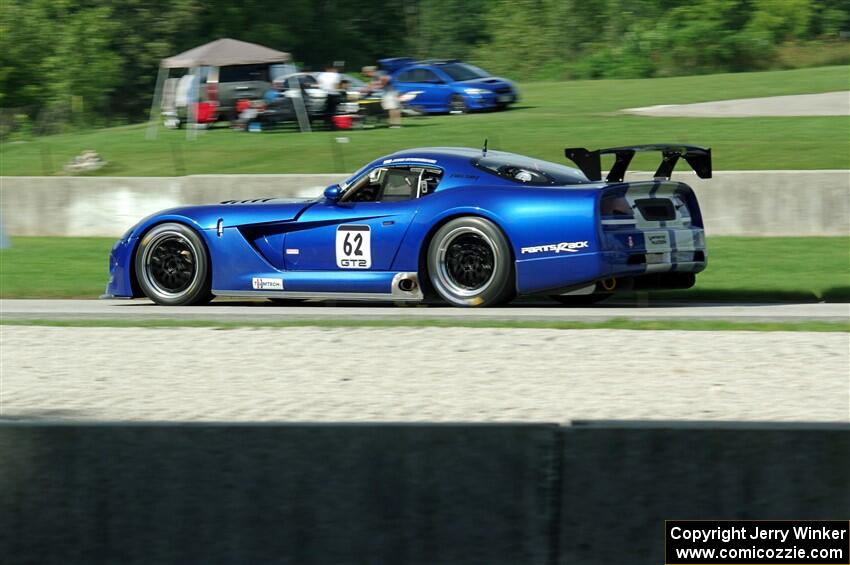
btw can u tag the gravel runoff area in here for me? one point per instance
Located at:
(827, 104)
(420, 374)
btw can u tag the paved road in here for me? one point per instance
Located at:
(262, 310)
(421, 374)
(826, 104)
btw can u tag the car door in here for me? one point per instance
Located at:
(428, 87)
(357, 234)
(437, 91)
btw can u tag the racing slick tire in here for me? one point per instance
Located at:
(469, 263)
(457, 105)
(172, 266)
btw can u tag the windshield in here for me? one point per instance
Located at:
(525, 170)
(462, 71)
(350, 180)
(243, 73)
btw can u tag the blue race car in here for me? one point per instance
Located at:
(448, 86)
(471, 227)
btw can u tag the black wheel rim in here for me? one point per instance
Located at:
(470, 261)
(171, 264)
(457, 105)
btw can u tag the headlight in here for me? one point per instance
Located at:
(475, 91)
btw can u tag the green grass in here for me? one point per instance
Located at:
(55, 267)
(619, 324)
(549, 117)
(749, 269)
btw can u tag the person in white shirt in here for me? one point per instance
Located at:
(329, 80)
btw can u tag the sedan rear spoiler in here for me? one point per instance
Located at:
(590, 162)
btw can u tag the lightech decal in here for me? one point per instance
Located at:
(353, 247)
(260, 283)
(563, 247)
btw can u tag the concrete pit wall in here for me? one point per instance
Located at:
(753, 203)
(590, 493)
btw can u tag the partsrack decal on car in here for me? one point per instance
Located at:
(354, 246)
(564, 246)
(260, 283)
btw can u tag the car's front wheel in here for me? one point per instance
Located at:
(172, 267)
(457, 105)
(469, 263)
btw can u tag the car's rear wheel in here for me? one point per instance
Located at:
(457, 105)
(469, 263)
(172, 267)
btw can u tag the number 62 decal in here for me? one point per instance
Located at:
(353, 247)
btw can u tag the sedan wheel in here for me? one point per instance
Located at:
(172, 267)
(457, 105)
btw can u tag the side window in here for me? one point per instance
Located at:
(407, 184)
(393, 185)
(429, 76)
(399, 184)
(406, 76)
(418, 75)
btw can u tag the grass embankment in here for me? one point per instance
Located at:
(741, 269)
(549, 117)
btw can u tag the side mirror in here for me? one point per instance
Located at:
(332, 193)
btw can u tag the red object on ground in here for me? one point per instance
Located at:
(342, 122)
(242, 104)
(205, 112)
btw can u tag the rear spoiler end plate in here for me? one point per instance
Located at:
(590, 162)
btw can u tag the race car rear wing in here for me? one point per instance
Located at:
(590, 162)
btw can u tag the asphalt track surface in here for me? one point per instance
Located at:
(826, 104)
(262, 311)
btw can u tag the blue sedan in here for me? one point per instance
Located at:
(466, 226)
(451, 86)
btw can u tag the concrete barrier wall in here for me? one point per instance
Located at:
(793, 203)
(301, 494)
(108, 206)
(622, 481)
(528, 493)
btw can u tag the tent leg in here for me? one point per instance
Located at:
(153, 121)
(298, 101)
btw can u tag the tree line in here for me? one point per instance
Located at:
(99, 57)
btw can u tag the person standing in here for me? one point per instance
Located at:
(329, 83)
(390, 102)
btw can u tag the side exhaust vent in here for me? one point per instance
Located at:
(406, 285)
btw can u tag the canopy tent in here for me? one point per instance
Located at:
(219, 53)
(223, 52)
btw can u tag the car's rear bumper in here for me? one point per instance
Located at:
(626, 254)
